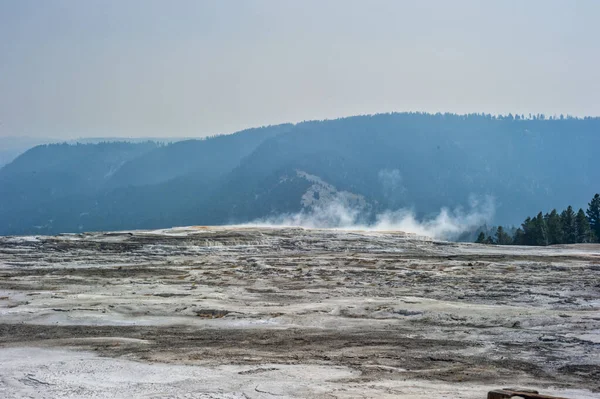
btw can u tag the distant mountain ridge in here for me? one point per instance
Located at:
(384, 161)
(13, 146)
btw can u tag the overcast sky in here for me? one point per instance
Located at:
(193, 68)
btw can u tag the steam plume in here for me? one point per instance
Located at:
(447, 224)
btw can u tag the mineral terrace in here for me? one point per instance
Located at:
(287, 312)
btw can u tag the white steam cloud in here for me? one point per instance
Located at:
(446, 225)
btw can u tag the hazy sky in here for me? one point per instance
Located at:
(191, 68)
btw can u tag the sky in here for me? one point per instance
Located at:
(194, 68)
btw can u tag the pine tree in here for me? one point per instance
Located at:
(540, 230)
(554, 225)
(569, 227)
(519, 237)
(584, 232)
(502, 237)
(528, 232)
(480, 238)
(593, 215)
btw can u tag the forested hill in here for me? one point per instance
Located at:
(367, 163)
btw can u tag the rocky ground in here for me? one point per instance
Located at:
(262, 313)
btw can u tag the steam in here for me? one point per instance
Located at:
(446, 225)
(392, 186)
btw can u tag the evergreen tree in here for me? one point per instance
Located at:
(569, 226)
(528, 237)
(480, 238)
(554, 225)
(540, 230)
(502, 238)
(584, 232)
(519, 237)
(593, 215)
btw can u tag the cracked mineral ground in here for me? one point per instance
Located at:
(242, 312)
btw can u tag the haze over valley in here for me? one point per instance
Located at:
(389, 171)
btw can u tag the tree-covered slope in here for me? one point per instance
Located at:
(56, 171)
(381, 162)
(57, 188)
(430, 161)
(206, 159)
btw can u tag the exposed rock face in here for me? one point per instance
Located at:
(322, 194)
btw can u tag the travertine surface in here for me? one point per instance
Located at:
(259, 312)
